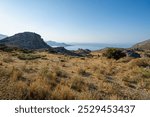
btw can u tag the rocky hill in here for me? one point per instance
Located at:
(56, 44)
(145, 45)
(26, 40)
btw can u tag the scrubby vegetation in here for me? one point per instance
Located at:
(28, 56)
(114, 53)
(41, 75)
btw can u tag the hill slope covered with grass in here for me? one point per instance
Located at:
(143, 45)
(42, 75)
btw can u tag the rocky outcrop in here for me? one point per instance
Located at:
(131, 53)
(83, 52)
(77, 53)
(145, 45)
(26, 40)
(62, 50)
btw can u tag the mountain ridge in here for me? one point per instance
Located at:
(144, 45)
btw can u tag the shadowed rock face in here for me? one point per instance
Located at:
(131, 53)
(62, 50)
(26, 40)
(145, 45)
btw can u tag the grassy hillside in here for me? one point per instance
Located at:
(41, 75)
(145, 45)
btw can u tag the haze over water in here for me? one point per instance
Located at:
(95, 46)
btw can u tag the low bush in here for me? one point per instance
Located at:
(114, 53)
(26, 51)
(5, 48)
(78, 85)
(83, 73)
(61, 73)
(145, 72)
(28, 56)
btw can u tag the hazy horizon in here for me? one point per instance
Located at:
(90, 21)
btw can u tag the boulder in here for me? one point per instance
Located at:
(132, 53)
(83, 52)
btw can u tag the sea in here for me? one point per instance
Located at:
(96, 46)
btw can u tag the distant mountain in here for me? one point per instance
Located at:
(145, 45)
(2, 36)
(56, 44)
(26, 40)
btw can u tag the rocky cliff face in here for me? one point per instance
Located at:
(145, 45)
(26, 40)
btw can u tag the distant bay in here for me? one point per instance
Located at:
(95, 46)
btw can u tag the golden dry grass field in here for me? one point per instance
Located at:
(51, 76)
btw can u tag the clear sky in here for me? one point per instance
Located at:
(96, 21)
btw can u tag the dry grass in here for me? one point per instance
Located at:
(8, 59)
(141, 62)
(62, 92)
(49, 76)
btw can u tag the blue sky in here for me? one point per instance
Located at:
(96, 21)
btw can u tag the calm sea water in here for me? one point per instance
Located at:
(95, 46)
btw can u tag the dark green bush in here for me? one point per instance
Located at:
(114, 53)
(6, 48)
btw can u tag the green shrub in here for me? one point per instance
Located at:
(28, 56)
(26, 51)
(145, 72)
(5, 48)
(114, 53)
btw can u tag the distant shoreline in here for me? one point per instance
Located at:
(96, 46)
